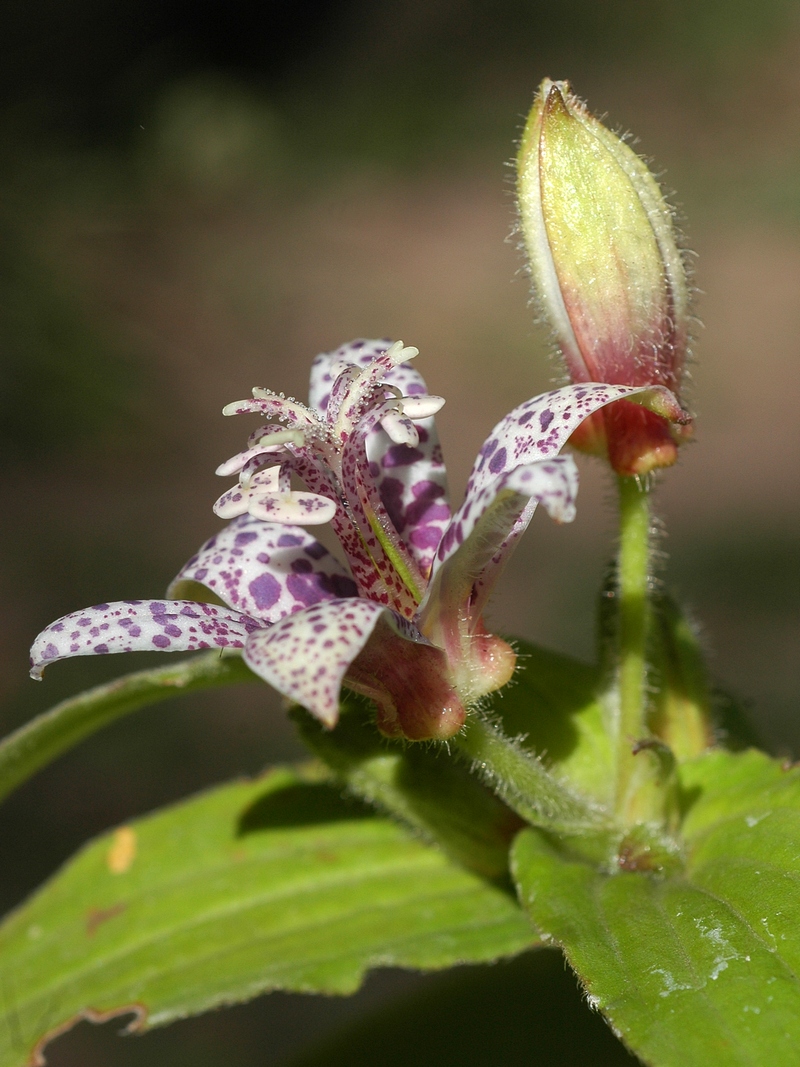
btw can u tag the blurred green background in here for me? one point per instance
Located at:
(197, 198)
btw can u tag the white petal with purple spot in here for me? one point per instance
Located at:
(266, 570)
(307, 655)
(140, 626)
(481, 540)
(538, 430)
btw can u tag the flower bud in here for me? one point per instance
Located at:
(606, 267)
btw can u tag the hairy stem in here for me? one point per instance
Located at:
(523, 781)
(633, 575)
(421, 785)
(46, 737)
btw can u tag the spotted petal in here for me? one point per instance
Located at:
(538, 430)
(306, 656)
(140, 626)
(265, 570)
(498, 515)
(410, 480)
(376, 652)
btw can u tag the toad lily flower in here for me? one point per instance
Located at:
(403, 623)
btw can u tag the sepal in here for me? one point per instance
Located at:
(140, 626)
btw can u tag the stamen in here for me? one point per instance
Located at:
(236, 501)
(421, 407)
(239, 407)
(276, 406)
(266, 445)
(401, 431)
(285, 437)
(398, 353)
(294, 509)
(254, 467)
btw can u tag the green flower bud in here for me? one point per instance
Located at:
(606, 267)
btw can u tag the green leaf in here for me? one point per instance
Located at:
(273, 884)
(553, 705)
(699, 968)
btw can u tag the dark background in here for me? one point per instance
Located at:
(197, 198)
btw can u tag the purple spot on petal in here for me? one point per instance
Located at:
(265, 591)
(315, 550)
(423, 507)
(245, 538)
(401, 456)
(391, 491)
(289, 541)
(425, 536)
(161, 641)
(498, 461)
(307, 589)
(100, 649)
(50, 652)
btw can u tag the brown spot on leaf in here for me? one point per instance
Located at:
(138, 1011)
(122, 852)
(97, 916)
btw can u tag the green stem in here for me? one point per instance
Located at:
(41, 740)
(418, 784)
(633, 575)
(523, 782)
